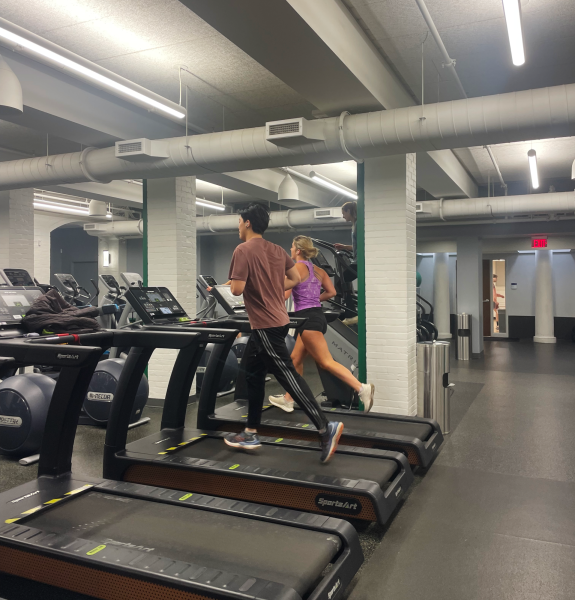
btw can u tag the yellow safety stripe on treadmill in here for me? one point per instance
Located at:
(48, 504)
(264, 407)
(181, 445)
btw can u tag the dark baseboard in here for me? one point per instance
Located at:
(564, 327)
(521, 327)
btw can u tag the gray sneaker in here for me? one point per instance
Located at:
(281, 402)
(366, 397)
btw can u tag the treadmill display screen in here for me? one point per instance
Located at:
(156, 304)
(19, 277)
(235, 302)
(209, 280)
(15, 303)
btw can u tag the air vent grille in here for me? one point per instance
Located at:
(129, 147)
(283, 128)
(89, 226)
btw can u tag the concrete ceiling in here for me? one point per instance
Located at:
(234, 84)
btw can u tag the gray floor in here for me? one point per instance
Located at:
(493, 517)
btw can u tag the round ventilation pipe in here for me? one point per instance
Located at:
(10, 91)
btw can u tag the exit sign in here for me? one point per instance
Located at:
(539, 243)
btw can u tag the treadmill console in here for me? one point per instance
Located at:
(230, 303)
(207, 281)
(15, 303)
(156, 305)
(18, 278)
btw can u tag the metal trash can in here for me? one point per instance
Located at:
(463, 348)
(433, 388)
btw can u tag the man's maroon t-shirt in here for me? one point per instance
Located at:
(262, 265)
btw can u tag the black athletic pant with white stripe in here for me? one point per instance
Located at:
(265, 353)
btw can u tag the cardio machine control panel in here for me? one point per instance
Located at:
(156, 305)
(230, 303)
(17, 278)
(15, 303)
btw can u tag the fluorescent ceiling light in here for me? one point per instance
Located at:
(321, 181)
(533, 169)
(88, 73)
(210, 204)
(526, 251)
(60, 208)
(332, 185)
(512, 9)
(42, 196)
(562, 251)
(64, 209)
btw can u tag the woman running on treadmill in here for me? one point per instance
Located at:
(307, 298)
(262, 271)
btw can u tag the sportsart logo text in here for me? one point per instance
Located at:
(334, 589)
(219, 336)
(339, 504)
(24, 497)
(70, 356)
(100, 396)
(112, 542)
(9, 421)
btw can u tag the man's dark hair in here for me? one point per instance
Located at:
(258, 216)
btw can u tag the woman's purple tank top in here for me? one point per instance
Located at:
(306, 294)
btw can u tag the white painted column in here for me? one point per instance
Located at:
(544, 321)
(390, 269)
(17, 229)
(441, 304)
(470, 287)
(171, 257)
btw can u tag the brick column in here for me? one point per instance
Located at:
(17, 229)
(171, 257)
(390, 268)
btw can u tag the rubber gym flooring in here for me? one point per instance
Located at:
(493, 517)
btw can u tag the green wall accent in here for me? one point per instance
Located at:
(145, 234)
(361, 326)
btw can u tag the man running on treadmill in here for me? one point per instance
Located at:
(262, 271)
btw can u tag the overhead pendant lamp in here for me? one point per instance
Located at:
(10, 91)
(288, 189)
(573, 170)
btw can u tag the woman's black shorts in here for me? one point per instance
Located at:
(315, 320)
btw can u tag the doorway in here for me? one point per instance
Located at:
(494, 303)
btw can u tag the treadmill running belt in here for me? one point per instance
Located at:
(218, 541)
(344, 466)
(413, 430)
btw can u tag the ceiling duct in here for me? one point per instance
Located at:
(438, 211)
(292, 132)
(288, 189)
(513, 117)
(121, 229)
(11, 102)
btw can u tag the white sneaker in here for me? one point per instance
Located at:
(366, 397)
(281, 402)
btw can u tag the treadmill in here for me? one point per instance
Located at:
(111, 540)
(359, 483)
(417, 438)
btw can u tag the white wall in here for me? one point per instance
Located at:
(520, 270)
(563, 266)
(453, 283)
